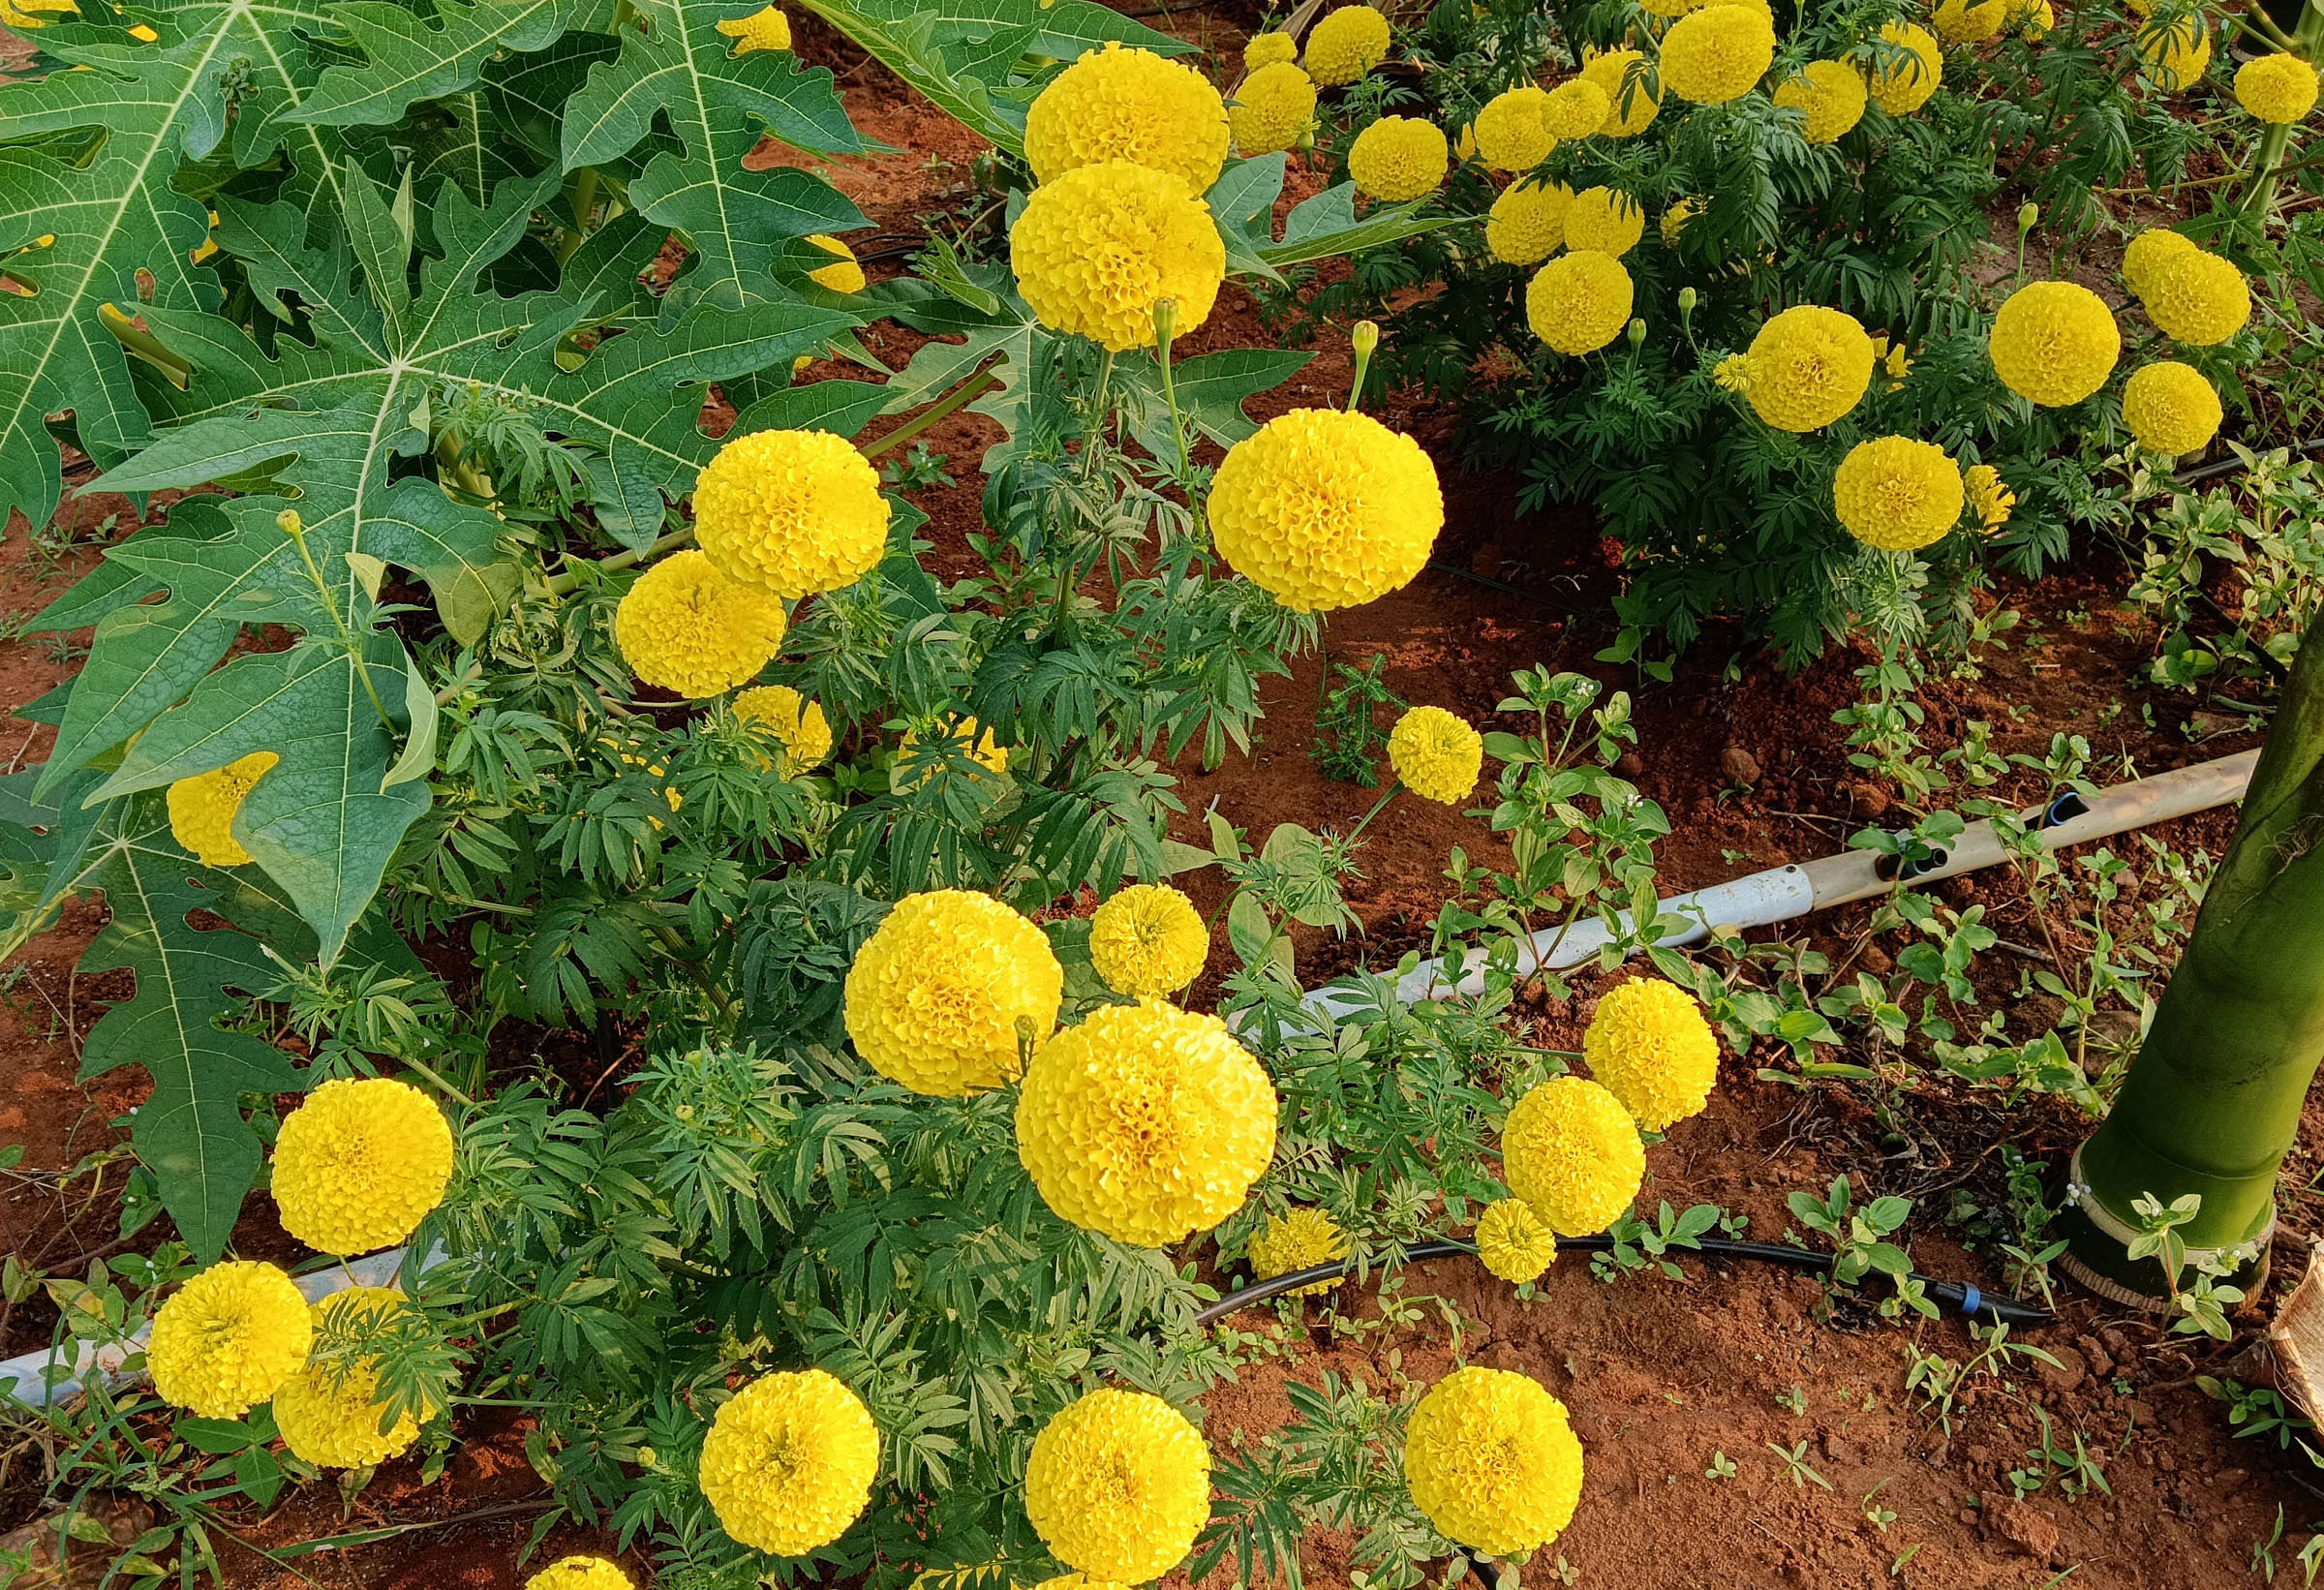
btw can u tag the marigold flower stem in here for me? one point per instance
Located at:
(1166, 317)
(294, 528)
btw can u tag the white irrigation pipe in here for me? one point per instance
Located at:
(1777, 895)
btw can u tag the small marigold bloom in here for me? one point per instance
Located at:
(2149, 252)
(1989, 498)
(1345, 45)
(1904, 86)
(1299, 1239)
(2032, 19)
(789, 1461)
(580, 1574)
(1572, 1151)
(1575, 108)
(1117, 103)
(685, 627)
(1830, 94)
(1579, 303)
(1399, 158)
(203, 808)
(1269, 50)
(329, 1414)
(1605, 221)
(227, 1339)
(1732, 374)
(1096, 249)
(2200, 298)
(843, 276)
(2170, 408)
(1634, 106)
(1651, 1048)
(2278, 89)
(1674, 224)
(1897, 494)
(1492, 1462)
(1808, 367)
(800, 733)
(1959, 23)
(794, 511)
(1273, 110)
(978, 749)
(1514, 1243)
(359, 1163)
(1510, 134)
(1437, 756)
(1719, 53)
(766, 28)
(2054, 343)
(937, 994)
(1118, 1486)
(1149, 939)
(2173, 56)
(1324, 509)
(1527, 222)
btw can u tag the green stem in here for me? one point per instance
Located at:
(296, 529)
(1170, 393)
(1379, 805)
(951, 402)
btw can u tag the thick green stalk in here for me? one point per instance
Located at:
(2259, 198)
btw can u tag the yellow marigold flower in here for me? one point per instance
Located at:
(794, 511)
(1149, 939)
(1732, 374)
(1605, 219)
(1096, 249)
(979, 749)
(1117, 103)
(1464, 148)
(1527, 222)
(1669, 7)
(1118, 1486)
(2280, 89)
(1897, 494)
(580, 1574)
(1572, 1151)
(203, 808)
(1145, 1123)
(1906, 87)
(1892, 359)
(1579, 303)
(939, 993)
(2170, 408)
(685, 627)
(1651, 1048)
(1719, 53)
(1269, 50)
(1273, 110)
(1832, 95)
(1575, 108)
(2174, 54)
(846, 276)
(1959, 23)
(789, 1461)
(1324, 509)
(1399, 158)
(1631, 116)
(1345, 45)
(1299, 1239)
(1674, 220)
(227, 1339)
(766, 28)
(329, 1414)
(1808, 367)
(1492, 1462)
(359, 1163)
(2032, 19)
(2200, 298)
(2054, 343)
(797, 725)
(1510, 134)
(1512, 1242)
(2149, 252)
(1989, 499)
(34, 13)
(1436, 755)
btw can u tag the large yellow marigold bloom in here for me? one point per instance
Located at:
(789, 1461)
(795, 511)
(1581, 303)
(685, 627)
(1324, 509)
(1149, 939)
(1832, 95)
(1269, 50)
(845, 274)
(2174, 54)
(359, 1163)
(1096, 249)
(1117, 103)
(1959, 23)
(1345, 45)
(937, 991)
(1273, 110)
(227, 1339)
(203, 808)
(1652, 1048)
(1527, 222)
(1299, 1238)
(1575, 108)
(766, 28)
(2170, 408)
(1906, 87)
(1399, 158)
(1808, 367)
(1510, 134)
(2149, 252)
(1989, 497)
(580, 1574)
(800, 733)
(2200, 298)
(1512, 1242)
(1605, 221)
(1645, 102)
(1572, 1151)
(329, 1414)
(1118, 1486)
(1145, 1123)
(1492, 1462)
(1436, 755)
(1898, 494)
(1719, 53)
(2054, 343)
(2280, 89)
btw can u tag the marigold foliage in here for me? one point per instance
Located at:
(793, 511)
(1299, 1238)
(227, 1339)
(1345, 45)
(1117, 103)
(1572, 1151)
(2170, 408)
(1149, 939)
(979, 749)
(1399, 158)
(2143, 262)
(938, 993)
(1269, 49)
(2200, 298)
(1605, 221)
(1719, 53)
(1808, 367)
(2278, 89)
(1575, 108)
(1959, 23)
(685, 627)
(1492, 1462)
(1832, 95)
(1145, 1123)
(580, 1574)
(1897, 493)
(203, 808)
(767, 29)
(1325, 509)
(845, 275)
(1579, 303)
(2054, 343)
(1437, 756)
(1118, 1486)
(1512, 1242)
(1527, 222)
(2174, 55)
(1510, 134)
(1906, 87)
(330, 1415)
(359, 1163)
(1989, 499)
(1651, 1048)
(1646, 101)
(1096, 249)
(1274, 108)
(800, 733)
(789, 1461)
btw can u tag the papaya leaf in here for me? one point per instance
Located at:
(1327, 226)
(406, 58)
(1211, 389)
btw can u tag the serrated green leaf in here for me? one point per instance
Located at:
(1327, 226)
(407, 57)
(1211, 389)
